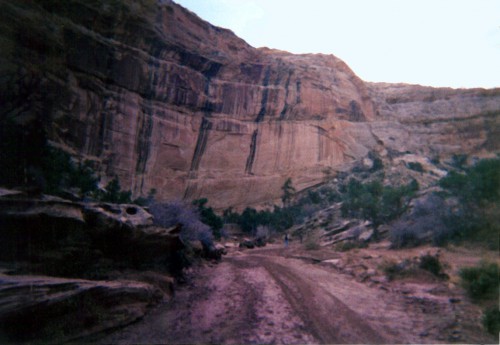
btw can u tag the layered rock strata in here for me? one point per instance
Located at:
(50, 236)
(162, 99)
(49, 309)
(71, 270)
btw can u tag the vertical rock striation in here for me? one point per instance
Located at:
(162, 99)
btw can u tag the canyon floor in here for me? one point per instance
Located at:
(292, 296)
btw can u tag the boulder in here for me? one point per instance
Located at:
(337, 263)
(353, 231)
(213, 251)
(260, 242)
(221, 248)
(247, 244)
(366, 236)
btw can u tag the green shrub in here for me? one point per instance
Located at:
(491, 320)
(477, 190)
(431, 263)
(478, 184)
(314, 197)
(377, 165)
(481, 282)
(416, 166)
(348, 245)
(310, 245)
(458, 161)
(435, 160)
(393, 269)
(114, 194)
(208, 217)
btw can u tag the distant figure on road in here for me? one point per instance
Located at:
(286, 240)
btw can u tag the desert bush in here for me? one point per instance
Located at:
(311, 244)
(402, 234)
(458, 161)
(208, 217)
(432, 264)
(491, 320)
(425, 221)
(408, 268)
(481, 282)
(378, 164)
(435, 160)
(331, 195)
(177, 212)
(314, 197)
(416, 166)
(393, 269)
(349, 245)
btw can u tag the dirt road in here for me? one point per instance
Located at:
(271, 296)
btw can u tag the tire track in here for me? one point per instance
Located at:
(324, 315)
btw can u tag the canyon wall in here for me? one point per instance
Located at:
(162, 99)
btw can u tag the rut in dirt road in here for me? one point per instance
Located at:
(329, 320)
(252, 299)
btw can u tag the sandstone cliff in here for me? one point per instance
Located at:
(162, 99)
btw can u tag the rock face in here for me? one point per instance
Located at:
(70, 270)
(50, 309)
(162, 99)
(435, 122)
(61, 238)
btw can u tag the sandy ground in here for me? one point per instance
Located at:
(286, 296)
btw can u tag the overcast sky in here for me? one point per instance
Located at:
(430, 42)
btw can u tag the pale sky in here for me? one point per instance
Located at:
(452, 43)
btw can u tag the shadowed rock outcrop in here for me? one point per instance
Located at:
(69, 270)
(162, 99)
(51, 309)
(60, 238)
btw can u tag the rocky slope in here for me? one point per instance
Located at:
(153, 94)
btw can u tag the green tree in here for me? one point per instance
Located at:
(208, 217)
(377, 203)
(83, 177)
(248, 220)
(477, 190)
(288, 192)
(475, 185)
(114, 194)
(230, 216)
